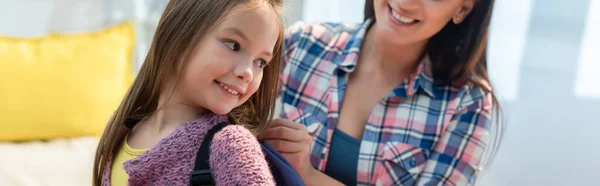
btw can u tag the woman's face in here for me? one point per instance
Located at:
(226, 66)
(410, 21)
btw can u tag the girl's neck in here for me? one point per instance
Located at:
(172, 112)
(389, 56)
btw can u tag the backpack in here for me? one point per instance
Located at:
(282, 170)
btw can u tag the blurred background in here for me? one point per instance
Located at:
(544, 61)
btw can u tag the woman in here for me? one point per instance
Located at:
(401, 99)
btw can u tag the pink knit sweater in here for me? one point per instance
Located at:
(236, 157)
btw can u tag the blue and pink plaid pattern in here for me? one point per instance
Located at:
(421, 133)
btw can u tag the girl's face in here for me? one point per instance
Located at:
(410, 21)
(226, 66)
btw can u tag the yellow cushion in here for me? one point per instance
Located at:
(63, 85)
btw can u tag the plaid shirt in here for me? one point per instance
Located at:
(421, 133)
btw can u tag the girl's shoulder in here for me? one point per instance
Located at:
(236, 158)
(235, 140)
(235, 131)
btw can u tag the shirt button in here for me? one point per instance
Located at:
(322, 155)
(412, 162)
(479, 169)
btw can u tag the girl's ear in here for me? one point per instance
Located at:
(463, 11)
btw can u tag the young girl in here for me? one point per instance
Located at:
(400, 99)
(210, 61)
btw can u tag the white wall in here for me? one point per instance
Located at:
(37, 18)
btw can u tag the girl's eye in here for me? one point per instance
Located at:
(235, 46)
(261, 63)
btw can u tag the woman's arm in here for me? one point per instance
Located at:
(319, 178)
(236, 158)
(457, 156)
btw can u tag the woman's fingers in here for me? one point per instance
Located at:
(283, 133)
(287, 123)
(284, 146)
(293, 141)
(286, 130)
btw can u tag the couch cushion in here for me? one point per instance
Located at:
(63, 85)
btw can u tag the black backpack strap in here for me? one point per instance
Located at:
(130, 122)
(201, 174)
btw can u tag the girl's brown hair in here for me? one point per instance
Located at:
(458, 53)
(181, 26)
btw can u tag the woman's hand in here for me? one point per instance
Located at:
(293, 142)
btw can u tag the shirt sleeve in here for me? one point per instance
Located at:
(236, 158)
(457, 156)
(293, 35)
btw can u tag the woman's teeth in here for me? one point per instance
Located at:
(401, 18)
(231, 91)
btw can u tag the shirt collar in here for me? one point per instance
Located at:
(347, 58)
(348, 51)
(420, 79)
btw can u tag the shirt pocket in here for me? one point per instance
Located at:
(402, 163)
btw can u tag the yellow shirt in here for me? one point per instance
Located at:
(118, 176)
